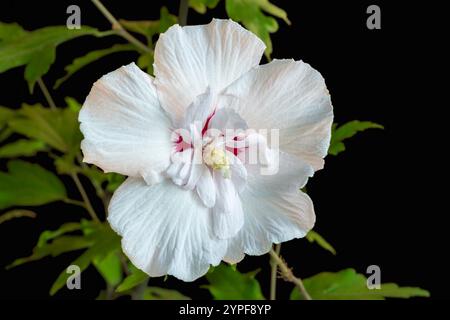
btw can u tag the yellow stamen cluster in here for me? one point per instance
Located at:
(217, 159)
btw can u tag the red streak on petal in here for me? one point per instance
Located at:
(205, 127)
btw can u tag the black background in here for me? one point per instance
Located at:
(375, 202)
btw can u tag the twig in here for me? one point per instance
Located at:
(46, 93)
(273, 274)
(74, 202)
(86, 200)
(183, 12)
(287, 273)
(119, 28)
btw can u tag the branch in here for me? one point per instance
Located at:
(46, 93)
(289, 276)
(273, 274)
(86, 200)
(183, 12)
(119, 28)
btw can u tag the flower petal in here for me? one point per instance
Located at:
(206, 189)
(228, 217)
(125, 129)
(189, 59)
(290, 96)
(165, 229)
(275, 210)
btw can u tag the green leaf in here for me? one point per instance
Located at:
(48, 235)
(114, 181)
(10, 31)
(201, 5)
(349, 285)
(60, 245)
(72, 104)
(59, 128)
(166, 20)
(18, 213)
(110, 268)
(150, 28)
(45, 247)
(5, 115)
(39, 65)
(251, 14)
(89, 58)
(145, 61)
(35, 49)
(229, 284)
(135, 278)
(313, 236)
(105, 242)
(22, 147)
(155, 293)
(29, 184)
(348, 130)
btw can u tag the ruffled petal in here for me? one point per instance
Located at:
(290, 96)
(206, 189)
(190, 59)
(275, 210)
(125, 129)
(228, 217)
(165, 229)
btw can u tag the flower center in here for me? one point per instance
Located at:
(216, 158)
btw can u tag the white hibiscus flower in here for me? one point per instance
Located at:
(179, 217)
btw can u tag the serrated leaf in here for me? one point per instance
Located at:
(60, 245)
(150, 28)
(110, 268)
(313, 236)
(156, 293)
(135, 278)
(22, 148)
(348, 130)
(105, 242)
(228, 284)
(251, 14)
(39, 65)
(48, 235)
(349, 285)
(5, 115)
(114, 181)
(28, 184)
(18, 213)
(45, 247)
(145, 61)
(201, 5)
(72, 104)
(59, 128)
(166, 20)
(35, 49)
(10, 31)
(81, 62)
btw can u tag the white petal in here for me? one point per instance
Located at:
(165, 229)
(238, 172)
(292, 97)
(125, 129)
(228, 217)
(198, 111)
(206, 188)
(234, 252)
(274, 220)
(190, 59)
(227, 119)
(274, 209)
